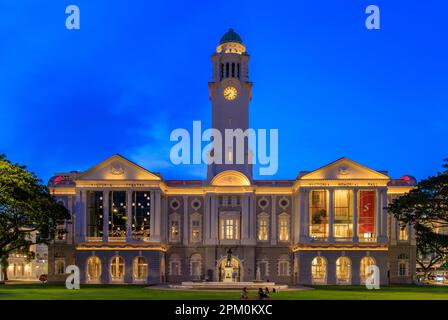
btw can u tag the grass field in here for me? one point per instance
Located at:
(125, 292)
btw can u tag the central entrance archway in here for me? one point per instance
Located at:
(236, 272)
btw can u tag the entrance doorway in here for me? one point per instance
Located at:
(234, 275)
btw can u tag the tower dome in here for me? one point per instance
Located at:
(231, 43)
(231, 36)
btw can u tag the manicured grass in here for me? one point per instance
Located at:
(124, 292)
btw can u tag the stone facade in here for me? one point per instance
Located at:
(129, 225)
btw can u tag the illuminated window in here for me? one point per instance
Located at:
(95, 214)
(140, 268)
(196, 228)
(117, 268)
(403, 234)
(283, 222)
(93, 269)
(230, 227)
(318, 214)
(229, 155)
(343, 216)
(174, 227)
(319, 270)
(117, 214)
(366, 221)
(263, 221)
(364, 264)
(141, 214)
(343, 270)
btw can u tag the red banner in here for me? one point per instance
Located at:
(366, 212)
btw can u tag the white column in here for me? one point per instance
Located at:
(384, 215)
(252, 222)
(393, 230)
(296, 221)
(105, 216)
(273, 220)
(129, 215)
(331, 216)
(214, 219)
(185, 232)
(244, 219)
(83, 215)
(77, 217)
(152, 216)
(207, 219)
(306, 214)
(378, 215)
(355, 215)
(158, 216)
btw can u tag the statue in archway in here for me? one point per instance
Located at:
(229, 258)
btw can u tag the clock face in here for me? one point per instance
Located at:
(230, 93)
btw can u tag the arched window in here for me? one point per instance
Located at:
(283, 266)
(403, 265)
(365, 263)
(343, 270)
(59, 266)
(233, 70)
(196, 265)
(117, 268)
(140, 268)
(93, 269)
(319, 270)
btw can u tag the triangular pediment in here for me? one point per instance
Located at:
(118, 167)
(344, 168)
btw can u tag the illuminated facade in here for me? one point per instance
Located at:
(129, 225)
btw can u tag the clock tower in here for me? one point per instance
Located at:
(230, 94)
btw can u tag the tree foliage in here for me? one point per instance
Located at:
(29, 214)
(425, 208)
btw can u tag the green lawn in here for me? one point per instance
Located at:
(120, 292)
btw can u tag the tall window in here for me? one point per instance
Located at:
(263, 221)
(283, 226)
(318, 214)
(93, 269)
(283, 266)
(343, 214)
(141, 214)
(174, 265)
(319, 270)
(403, 265)
(403, 234)
(117, 268)
(363, 266)
(140, 268)
(343, 270)
(174, 227)
(196, 228)
(230, 227)
(196, 265)
(117, 214)
(366, 223)
(59, 265)
(95, 214)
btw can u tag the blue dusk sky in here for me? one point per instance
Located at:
(136, 70)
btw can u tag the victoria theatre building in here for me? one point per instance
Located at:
(325, 226)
